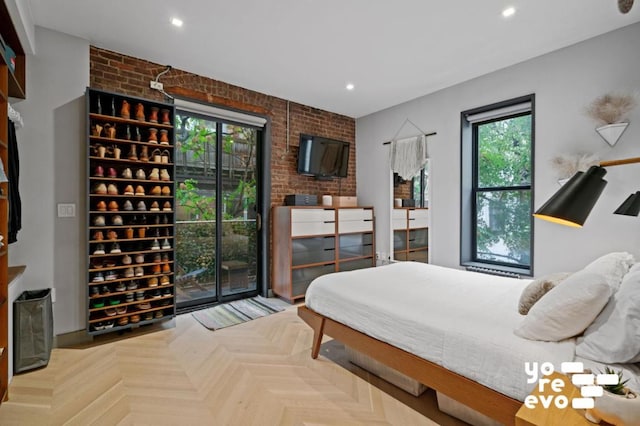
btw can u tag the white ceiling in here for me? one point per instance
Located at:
(307, 50)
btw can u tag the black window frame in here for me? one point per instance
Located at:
(469, 187)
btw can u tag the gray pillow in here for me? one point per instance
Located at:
(538, 288)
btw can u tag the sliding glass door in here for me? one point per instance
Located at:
(217, 228)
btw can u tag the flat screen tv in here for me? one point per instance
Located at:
(322, 157)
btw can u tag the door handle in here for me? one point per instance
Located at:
(258, 222)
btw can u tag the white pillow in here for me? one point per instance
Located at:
(614, 336)
(567, 309)
(613, 266)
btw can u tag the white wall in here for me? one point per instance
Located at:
(52, 170)
(564, 82)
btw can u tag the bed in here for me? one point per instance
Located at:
(449, 329)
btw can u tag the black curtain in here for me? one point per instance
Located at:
(15, 205)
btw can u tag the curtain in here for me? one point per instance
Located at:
(408, 156)
(15, 205)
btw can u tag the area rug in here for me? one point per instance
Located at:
(239, 311)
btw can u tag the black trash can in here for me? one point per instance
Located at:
(32, 330)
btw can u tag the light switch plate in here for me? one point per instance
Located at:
(66, 210)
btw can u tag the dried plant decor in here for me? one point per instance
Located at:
(611, 108)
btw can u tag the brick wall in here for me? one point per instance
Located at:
(128, 75)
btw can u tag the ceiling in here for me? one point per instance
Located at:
(307, 51)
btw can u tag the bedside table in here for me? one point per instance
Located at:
(539, 416)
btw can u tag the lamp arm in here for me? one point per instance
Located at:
(621, 162)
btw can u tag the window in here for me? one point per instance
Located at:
(420, 187)
(497, 182)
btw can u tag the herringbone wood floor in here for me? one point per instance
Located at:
(256, 373)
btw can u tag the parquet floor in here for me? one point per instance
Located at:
(256, 373)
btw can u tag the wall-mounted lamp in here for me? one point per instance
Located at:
(572, 203)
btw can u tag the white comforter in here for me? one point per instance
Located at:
(460, 320)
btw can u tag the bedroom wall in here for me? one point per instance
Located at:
(564, 82)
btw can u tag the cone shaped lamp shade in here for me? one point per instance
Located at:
(573, 202)
(631, 206)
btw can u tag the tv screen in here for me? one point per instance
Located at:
(323, 157)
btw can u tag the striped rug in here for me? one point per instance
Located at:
(239, 311)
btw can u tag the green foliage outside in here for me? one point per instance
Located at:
(503, 217)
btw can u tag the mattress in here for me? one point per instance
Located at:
(460, 320)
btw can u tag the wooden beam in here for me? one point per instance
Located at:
(182, 92)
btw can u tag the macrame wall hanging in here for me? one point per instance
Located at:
(408, 156)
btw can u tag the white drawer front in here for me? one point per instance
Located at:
(354, 214)
(418, 219)
(312, 215)
(346, 226)
(312, 228)
(399, 223)
(399, 219)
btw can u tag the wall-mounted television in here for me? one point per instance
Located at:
(322, 157)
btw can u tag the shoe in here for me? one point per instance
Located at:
(125, 110)
(98, 221)
(99, 171)
(128, 190)
(98, 277)
(159, 314)
(115, 248)
(109, 324)
(148, 316)
(165, 257)
(157, 258)
(142, 207)
(140, 175)
(113, 301)
(139, 271)
(126, 173)
(100, 188)
(128, 273)
(132, 155)
(156, 294)
(139, 190)
(166, 191)
(121, 286)
(166, 207)
(153, 135)
(153, 115)
(166, 291)
(140, 295)
(134, 318)
(152, 282)
(164, 137)
(112, 235)
(111, 275)
(121, 310)
(117, 220)
(142, 232)
(127, 206)
(164, 116)
(123, 321)
(165, 157)
(156, 156)
(166, 268)
(129, 297)
(112, 173)
(155, 245)
(140, 112)
(155, 207)
(110, 312)
(156, 190)
(165, 244)
(95, 291)
(98, 326)
(143, 306)
(101, 206)
(128, 233)
(144, 154)
(164, 280)
(104, 290)
(132, 285)
(154, 175)
(165, 302)
(164, 175)
(112, 189)
(99, 249)
(165, 219)
(113, 206)
(139, 258)
(155, 268)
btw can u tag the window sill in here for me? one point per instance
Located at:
(524, 272)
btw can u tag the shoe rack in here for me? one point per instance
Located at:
(131, 216)
(12, 84)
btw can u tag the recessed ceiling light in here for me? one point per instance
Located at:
(508, 12)
(350, 86)
(177, 22)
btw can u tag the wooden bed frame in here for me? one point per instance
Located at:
(487, 401)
